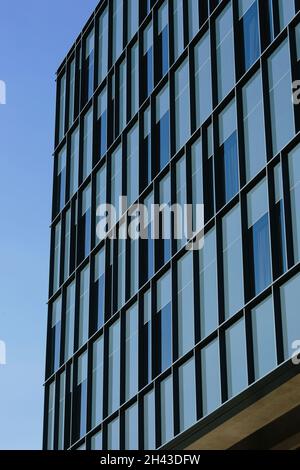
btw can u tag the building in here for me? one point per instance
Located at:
(151, 345)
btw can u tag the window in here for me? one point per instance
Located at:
(236, 356)
(96, 441)
(289, 294)
(254, 131)
(197, 181)
(163, 326)
(102, 122)
(56, 261)
(249, 30)
(121, 265)
(79, 416)
(163, 40)
(131, 352)
(225, 52)
(208, 284)
(117, 29)
(133, 17)
(209, 175)
(149, 241)
(147, 63)
(122, 96)
(116, 179)
(113, 435)
(294, 180)
(281, 107)
(258, 237)
(134, 80)
(149, 421)
(286, 12)
(87, 159)
(264, 343)
(194, 15)
(99, 290)
(100, 197)
(74, 162)
(178, 27)
(103, 45)
(166, 407)
(134, 266)
(55, 335)
(186, 322)
(182, 105)
(165, 202)
(67, 244)
(163, 126)
(97, 382)
(145, 342)
(203, 80)
(187, 394)
(72, 69)
(62, 107)
(228, 154)
(211, 379)
(51, 416)
(61, 179)
(133, 165)
(114, 368)
(181, 222)
(84, 306)
(147, 149)
(88, 67)
(85, 224)
(61, 411)
(279, 233)
(131, 426)
(70, 321)
(232, 262)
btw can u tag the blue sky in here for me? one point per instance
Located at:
(35, 35)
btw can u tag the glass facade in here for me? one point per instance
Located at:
(171, 102)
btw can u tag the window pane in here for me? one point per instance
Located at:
(281, 108)
(51, 415)
(203, 80)
(84, 306)
(134, 79)
(87, 143)
(208, 284)
(225, 52)
(286, 12)
(116, 179)
(102, 122)
(70, 321)
(62, 107)
(133, 17)
(186, 334)
(187, 394)
(61, 413)
(97, 381)
(178, 27)
(131, 348)
(254, 133)
(232, 262)
(290, 298)
(117, 29)
(114, 368)
(72, 70)
(163, 126)
(263, 331)
(103, 45)
(74, 162)
(182, 104)
(250, 31)
(149, 421)
(133, 165)
(236, 356)
(167, 418)
(131, 426)
(259, 238)
(164, 323)
(96, 441)
(113, 435)
(211, 381)
(122, 96)
(56, 261)
(193, 12)
(55, 335)
(294, 179)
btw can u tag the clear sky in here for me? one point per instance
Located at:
(35, 35)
